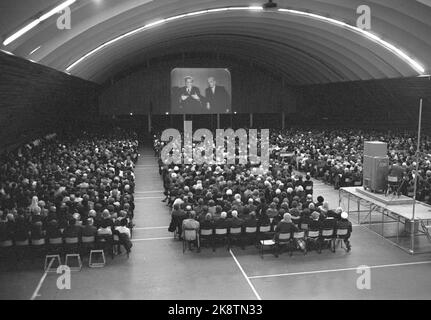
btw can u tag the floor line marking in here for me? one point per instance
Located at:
(151, 228)
(151, 239)
(143, 198)
(339, 270)
(245, 276)
(36, 291)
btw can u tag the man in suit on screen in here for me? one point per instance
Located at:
(190, 97)
(217, 98)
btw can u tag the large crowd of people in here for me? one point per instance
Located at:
(70, 186)
(238, 195)
(336, 156)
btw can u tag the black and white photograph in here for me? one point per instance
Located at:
(213, 159)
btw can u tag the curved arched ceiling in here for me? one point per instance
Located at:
(303, 49)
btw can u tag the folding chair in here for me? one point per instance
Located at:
(104, 242)
(299, 240)
(190, 235)
(313, 238)
(37, 247)
(327, 235)
(7, 251)
(55, 246)
(340, 235)
(283, 239)
(265, 232)
(71, 245)
(266, 243)
(21, 248)
(250, 233)
(87, 244)
(206, 235)
(235, 234)
(220, 235)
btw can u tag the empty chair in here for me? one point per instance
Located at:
(265, 233)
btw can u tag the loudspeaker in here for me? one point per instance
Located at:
(376, 166)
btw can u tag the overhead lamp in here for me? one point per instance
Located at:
(417, 66)
(36, 21)
(367, 34)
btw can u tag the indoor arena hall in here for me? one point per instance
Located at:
(210, 150)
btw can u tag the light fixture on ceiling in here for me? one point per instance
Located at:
(417, 66)
(34, 50)
(371, 36)
(36, 21)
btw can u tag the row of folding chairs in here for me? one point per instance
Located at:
(33, 248)
(264, 236)
(310, 239)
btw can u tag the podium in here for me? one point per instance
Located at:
(376, 166)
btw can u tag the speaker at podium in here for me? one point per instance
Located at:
(376, 166)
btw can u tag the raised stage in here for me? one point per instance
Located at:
(390, 217)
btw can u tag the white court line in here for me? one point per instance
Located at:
(152, 239)
(245, 276)
(151, 191)
(339, 270)
(151, 228)
(36, 291)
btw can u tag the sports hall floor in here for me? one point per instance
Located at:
(158, 269)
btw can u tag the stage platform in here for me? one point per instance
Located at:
(388, 200)
(402, 206)
(390, 217)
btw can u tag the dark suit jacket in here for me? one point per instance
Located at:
(190, 105)
(219, 100)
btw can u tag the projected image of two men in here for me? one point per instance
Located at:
(200, 90)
